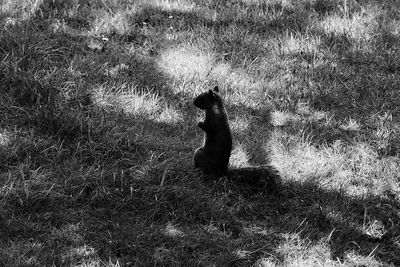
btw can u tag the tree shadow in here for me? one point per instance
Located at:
(109, 220)
(344, 231)
(256, 133)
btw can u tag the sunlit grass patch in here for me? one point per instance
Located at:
(169, 114)
(296, 44)
(355, 259)
(239, 157)
(360, 28)
(83, 253)
(173, 231)
(266, 262)
(239, 124)
(303, 114)
(279, 118)
(302, 252)
(238, 79)
(106, 23)
(276, 86)
(372, 174)
(351, 125)
(5, 137)
(18, 10)
(134, 101)
(264, 2)
(299, 159)
(127, 98)
(186, 63)
(356, 168)
(241, 88)
(221, 71)
(172, 5)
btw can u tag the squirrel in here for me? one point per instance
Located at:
(213, 157)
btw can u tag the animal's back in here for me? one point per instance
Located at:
(213, 157)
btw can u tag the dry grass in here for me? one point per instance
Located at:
(98, 129)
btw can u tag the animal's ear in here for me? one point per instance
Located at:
(210, 92)
(216, 89)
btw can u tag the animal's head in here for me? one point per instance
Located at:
(208, 99)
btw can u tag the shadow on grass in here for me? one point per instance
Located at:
(236, 37)
(103, 204)
(188, 221)
(340, 218)
(256, 134)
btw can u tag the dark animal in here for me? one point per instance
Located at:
(213, 157)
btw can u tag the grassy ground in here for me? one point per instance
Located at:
(96, 110)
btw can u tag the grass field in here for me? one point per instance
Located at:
(98, 130)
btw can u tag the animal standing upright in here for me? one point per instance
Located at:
(213, 157)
